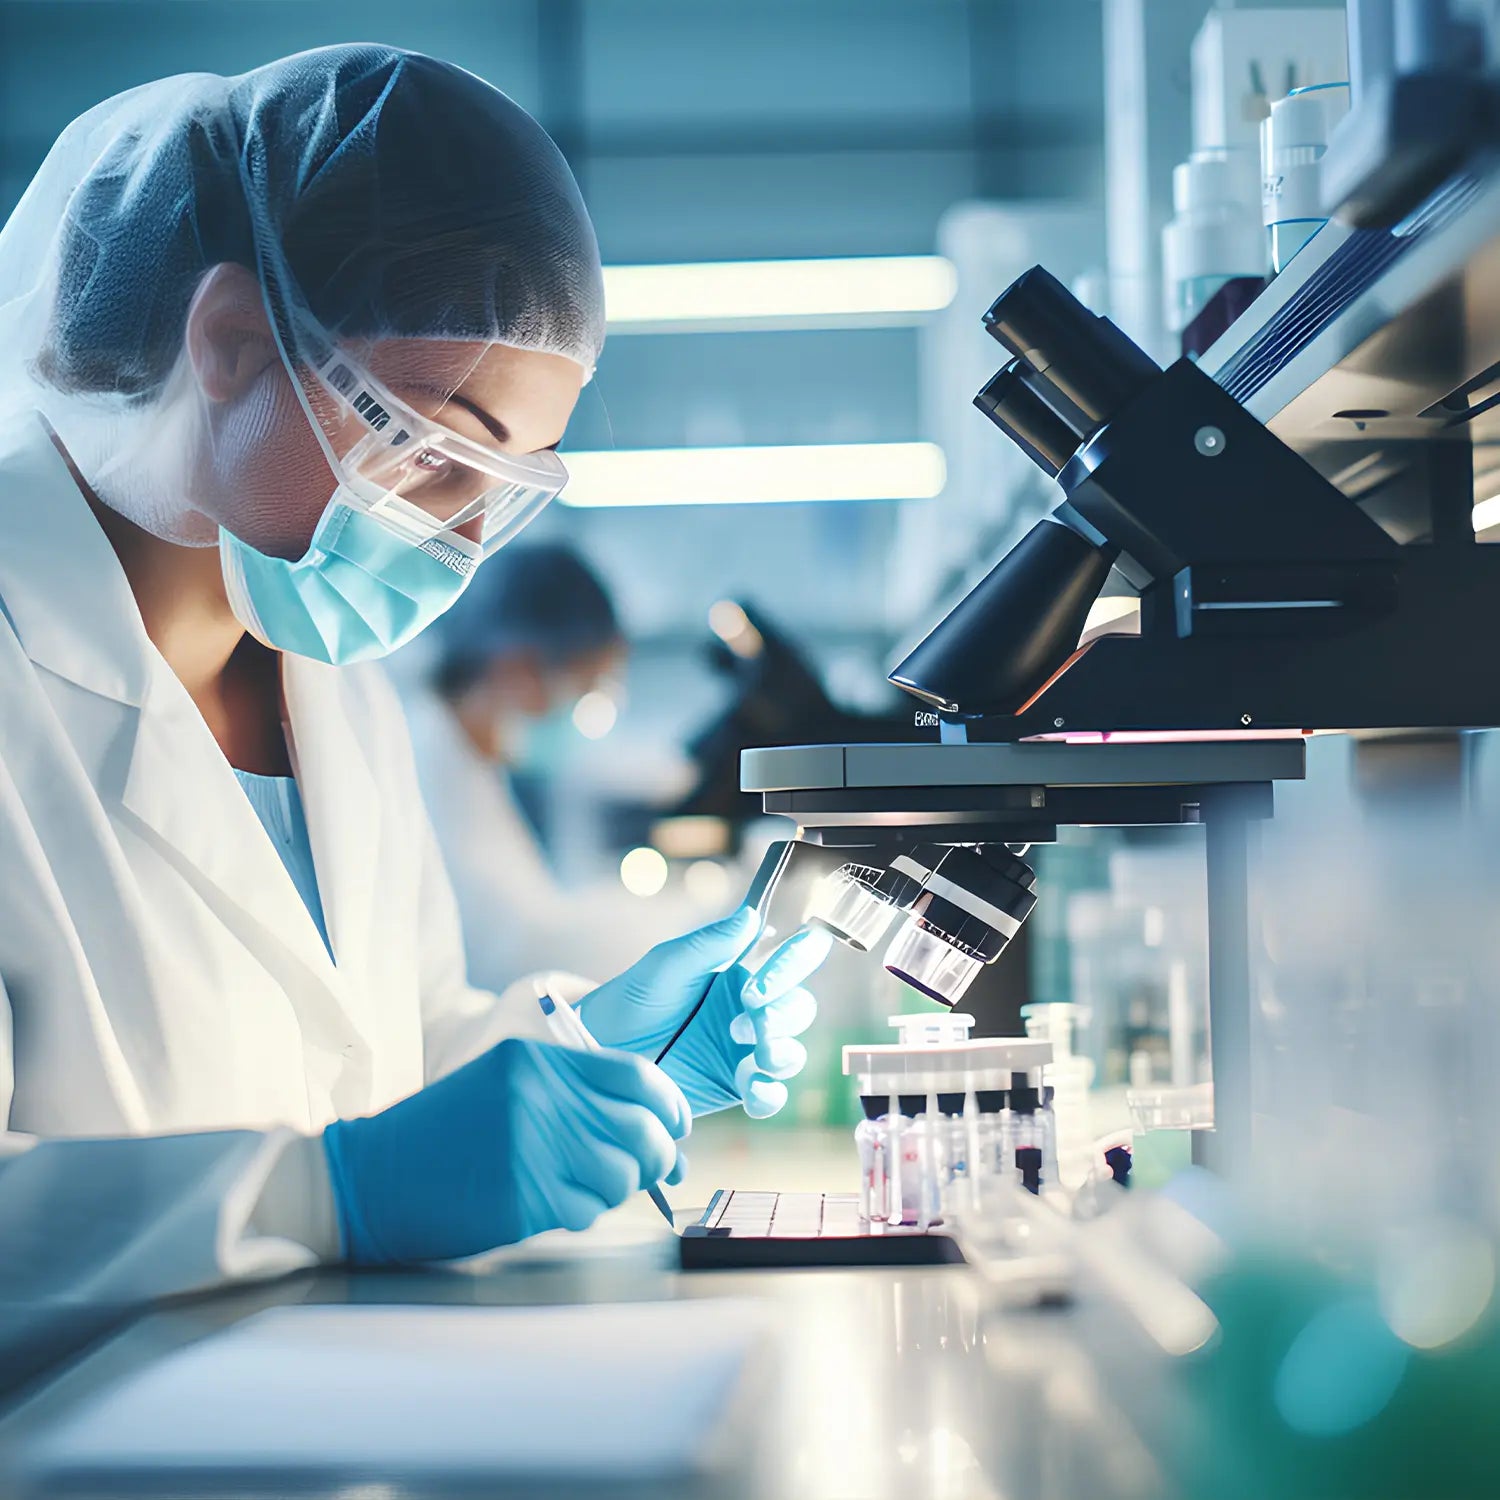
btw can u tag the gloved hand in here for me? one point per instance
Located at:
(742, 1042)
(527, 1137)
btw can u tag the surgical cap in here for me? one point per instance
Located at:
(376, 194)
(538, 597)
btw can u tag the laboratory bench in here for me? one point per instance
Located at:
(877, 1384)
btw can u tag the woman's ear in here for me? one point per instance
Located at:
(228, 334)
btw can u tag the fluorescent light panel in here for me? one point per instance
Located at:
(1487, 514)
(748, 476)
(797, 293)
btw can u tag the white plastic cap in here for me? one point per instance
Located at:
(1293, 139)
(935, 1029)
(1216, 234)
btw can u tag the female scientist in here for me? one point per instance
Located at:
(283, 358)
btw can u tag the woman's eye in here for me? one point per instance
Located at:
(425, 458)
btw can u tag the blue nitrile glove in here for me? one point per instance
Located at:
(742, 1042)
(528, 1136)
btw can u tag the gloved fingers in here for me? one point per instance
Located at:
(635, 1080)
(780, 1057)
(679, 1172)
(645, 1139)
(791, 1015)
(796, 960)
(611, 1171)
(759, 1095)
(706, 951)
(574, 1206)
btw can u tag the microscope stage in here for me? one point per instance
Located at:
(1026, 790)
(786, 768)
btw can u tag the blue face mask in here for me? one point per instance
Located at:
(359, 592)
(547, 744)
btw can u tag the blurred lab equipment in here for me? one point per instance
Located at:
(1422, 102)
(1067, 1078)
(777, 699)
(1214, 251)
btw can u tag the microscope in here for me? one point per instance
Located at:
(1271, 606)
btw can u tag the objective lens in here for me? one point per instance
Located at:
(845, 903)
(926, 962)
(972, 905)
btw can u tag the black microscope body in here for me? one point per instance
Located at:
(1269, 600)
(1271, 605)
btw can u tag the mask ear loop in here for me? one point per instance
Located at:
(337, 474)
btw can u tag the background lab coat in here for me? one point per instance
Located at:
(158, 971)
(517, 918)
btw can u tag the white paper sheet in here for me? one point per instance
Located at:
(601, 1392)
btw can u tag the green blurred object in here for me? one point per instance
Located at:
(1308, 1393)
(1157, 1156)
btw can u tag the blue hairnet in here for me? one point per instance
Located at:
(538, 597)
(376, 193)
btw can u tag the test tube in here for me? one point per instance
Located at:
(869, 1141)
(1028, 1135)
(1048, 1120)
(932, 1127)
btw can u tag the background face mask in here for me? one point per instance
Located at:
(546, 744)
(358, 593)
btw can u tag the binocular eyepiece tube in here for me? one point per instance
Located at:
(1072, 361)
(1026, 418)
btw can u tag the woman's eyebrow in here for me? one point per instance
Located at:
(492, 425)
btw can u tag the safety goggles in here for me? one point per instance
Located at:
(419, 478)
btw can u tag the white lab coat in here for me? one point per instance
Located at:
(514, 914)
(158, 972)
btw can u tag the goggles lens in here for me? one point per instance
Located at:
(417, 476)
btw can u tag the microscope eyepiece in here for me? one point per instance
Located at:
(1085, 356)
(1023, 415)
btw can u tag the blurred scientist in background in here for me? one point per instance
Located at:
(534, 634)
